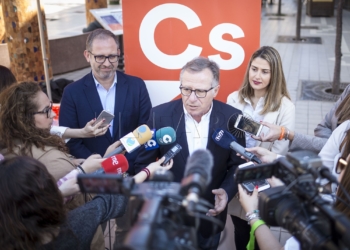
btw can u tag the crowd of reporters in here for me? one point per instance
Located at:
(40, 203)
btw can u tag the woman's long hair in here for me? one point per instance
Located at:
(31, 206)
(343, 111)
(17, 105)
(277, 88)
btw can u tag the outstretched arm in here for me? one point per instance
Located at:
(152, 168)
(266, 240)
(90, 130)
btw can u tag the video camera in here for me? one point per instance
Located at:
(169, 212)
(298, 206)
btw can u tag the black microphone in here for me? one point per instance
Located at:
(325, 173)
(241, 150)
(225, 140)
(197, 177)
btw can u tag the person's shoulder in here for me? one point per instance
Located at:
(344, 126)
(47, 152)
(286, 101)
(346, 91)
(79, 83)
(130, 78)
(286, 105)
(168, 105)
(233, 96)
(225, 107)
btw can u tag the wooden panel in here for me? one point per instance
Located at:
(23, 39)
(93, 4)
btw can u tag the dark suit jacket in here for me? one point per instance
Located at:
(81, 103)
(225, 160)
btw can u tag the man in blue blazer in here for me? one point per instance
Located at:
(195, 118)
(104, 88)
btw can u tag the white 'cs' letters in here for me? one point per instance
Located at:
(191, 19)
(148, 27)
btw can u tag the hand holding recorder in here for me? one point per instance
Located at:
(264, 155)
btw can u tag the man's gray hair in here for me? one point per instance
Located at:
(200, 63)
(100, 34)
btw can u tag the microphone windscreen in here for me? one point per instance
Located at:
(200, 162)
(223, 138)
(142, 134)
(166, 135)
(152, 144)
(231, 126)
(116, 164)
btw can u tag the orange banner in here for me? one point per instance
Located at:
(161, 36)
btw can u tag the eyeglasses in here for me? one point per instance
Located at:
(102, 58)
(46, 111)
(341, 164)
(200, 93)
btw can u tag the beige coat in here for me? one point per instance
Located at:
(284, 116)
(57, 162)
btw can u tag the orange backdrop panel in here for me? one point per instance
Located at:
(172, 37)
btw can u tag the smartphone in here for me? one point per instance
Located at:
(256, 172)
(101, 183)
(171, 154)
(247, 125)
(104, 115)
(250, 185)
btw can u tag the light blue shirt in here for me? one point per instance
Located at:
(107, 98)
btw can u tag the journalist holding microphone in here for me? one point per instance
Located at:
(262, 233)
(33, 215)
(195, 118)
(26, 117)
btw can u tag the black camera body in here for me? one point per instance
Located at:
(162, 217)
(298, 206)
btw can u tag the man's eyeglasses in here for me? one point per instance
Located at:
(46, 111)
(341, 164)
(200, 93)
(102, 58)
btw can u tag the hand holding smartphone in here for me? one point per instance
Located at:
(247, 125)
(108, 117)
(250, 185)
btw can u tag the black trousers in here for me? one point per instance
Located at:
(242, 233)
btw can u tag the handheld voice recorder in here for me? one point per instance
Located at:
(171, 154)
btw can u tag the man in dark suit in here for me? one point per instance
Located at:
(195, 118)
(104, 88)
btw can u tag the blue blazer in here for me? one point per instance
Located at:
(81, 103)
(225, 160)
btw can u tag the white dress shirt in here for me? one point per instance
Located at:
(107, 98)
(255, 115)
(197, 132)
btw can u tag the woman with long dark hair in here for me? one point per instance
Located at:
(32, 214)
(26, 117)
